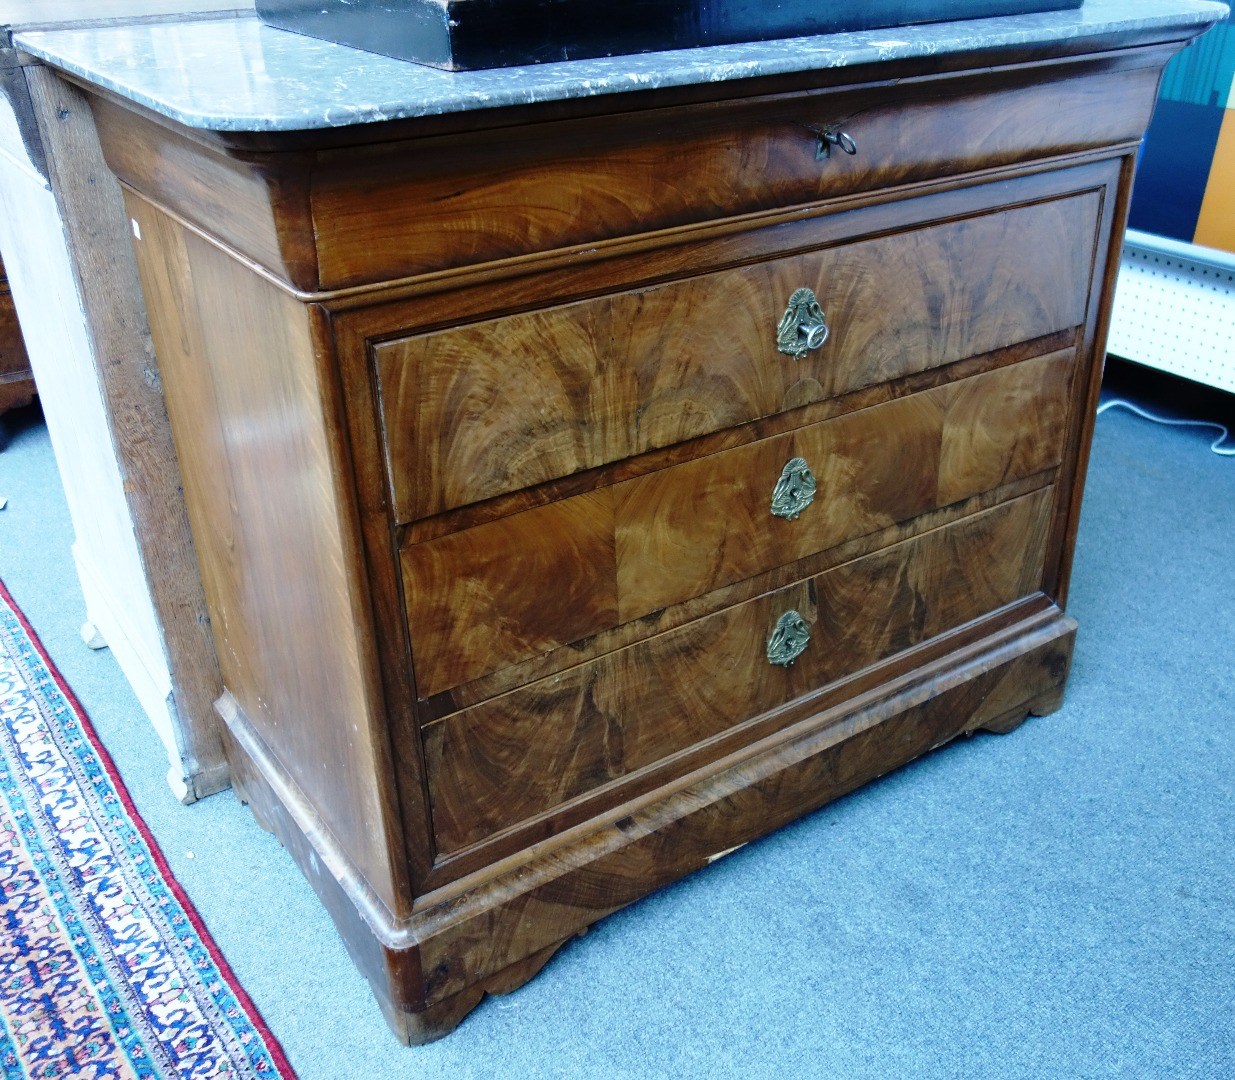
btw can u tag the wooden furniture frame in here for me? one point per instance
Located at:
(444, 390)
(65, 237)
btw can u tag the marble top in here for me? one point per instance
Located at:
(238, 75)
(42, 14)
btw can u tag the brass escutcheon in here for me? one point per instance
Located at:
(789, 639)
(803, 326)
(794, 491)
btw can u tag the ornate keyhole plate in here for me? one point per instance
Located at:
(794, 491)
(803, 326)
(789, 639)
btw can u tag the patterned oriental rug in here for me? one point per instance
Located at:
(106, 969)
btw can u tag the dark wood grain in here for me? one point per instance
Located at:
(331, 218)
(606, 641)
(501, 593)
(685, 531)
(436, 303)
(767, 427)
(1089, 377)
(531, 749)
(490, 931)
(479, 927)
(387, 211)
(485, 409)
(574, 814)
(259, 208)
(513, 588)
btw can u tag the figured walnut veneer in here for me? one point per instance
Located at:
(480, 418)
(533, 748)
(605, 379)
(476, 598)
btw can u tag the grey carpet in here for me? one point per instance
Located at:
(1057, 902)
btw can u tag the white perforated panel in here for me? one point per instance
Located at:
(1175, 310)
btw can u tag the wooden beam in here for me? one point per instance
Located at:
(96, 230)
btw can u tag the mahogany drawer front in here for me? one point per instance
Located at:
(437, 203)
(534, 748)
(492, 407)
(490, 596)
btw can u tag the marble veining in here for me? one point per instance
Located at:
(239, 75)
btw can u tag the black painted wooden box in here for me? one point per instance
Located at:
(465, 35)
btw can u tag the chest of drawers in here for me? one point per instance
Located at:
(584, 490)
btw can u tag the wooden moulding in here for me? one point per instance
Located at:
(571, 378)
(369, 337)
(274, 275)
(577, 182)
(493, 930)
(475, 599)
(688, 695)
(324, 218)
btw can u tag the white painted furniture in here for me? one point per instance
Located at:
(64, 241)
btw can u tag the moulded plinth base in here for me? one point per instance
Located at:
(432, 968)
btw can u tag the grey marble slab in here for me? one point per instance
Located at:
(239, 75)
(20, 15)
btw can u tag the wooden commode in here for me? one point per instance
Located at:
(585, 488)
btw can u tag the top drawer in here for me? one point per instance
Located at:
(435, 203)
(488, 408)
